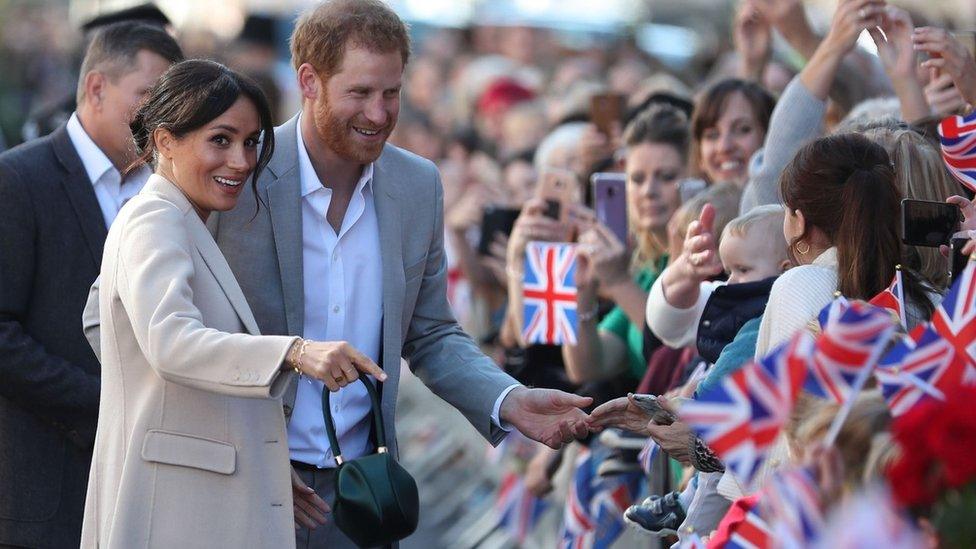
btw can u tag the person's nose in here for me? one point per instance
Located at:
(726, 142)
(237, 159)
(376, 111)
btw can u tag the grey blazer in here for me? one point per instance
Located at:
(265, 253)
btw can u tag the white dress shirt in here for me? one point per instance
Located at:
(343, 285)
(111, 190)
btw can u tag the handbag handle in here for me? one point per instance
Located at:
(379, 435)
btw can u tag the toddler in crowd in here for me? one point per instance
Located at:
(721, 318)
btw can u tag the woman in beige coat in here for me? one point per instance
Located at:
(191, 449)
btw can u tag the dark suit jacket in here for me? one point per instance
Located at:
(51, 238)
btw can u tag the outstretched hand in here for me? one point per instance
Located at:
(621, 413)
(548, 416)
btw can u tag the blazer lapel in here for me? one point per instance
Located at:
(208, 249)
(221, 270)
(386, 201)
(284, 199)
(80, 193)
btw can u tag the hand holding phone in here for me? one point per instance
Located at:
(649, 404)
(927, 223)
(560, 190)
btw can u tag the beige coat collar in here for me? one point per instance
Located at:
(204, 242)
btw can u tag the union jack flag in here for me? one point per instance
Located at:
(740, 418)
(792, 507)
(833, 310)
(845, 348)
(549, 293)
(518, 509)
(595, 506)
(893, 298)
(958, 136)
(915, 368)
(955, 320)
(752, 533)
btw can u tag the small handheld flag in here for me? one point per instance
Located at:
(549, 293)
(958, 137)
(893, 298)
(847, 350)
(915, 368)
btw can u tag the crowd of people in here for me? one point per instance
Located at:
(757, 192)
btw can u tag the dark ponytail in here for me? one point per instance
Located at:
(845, 186)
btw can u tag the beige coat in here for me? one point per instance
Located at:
(191, 449)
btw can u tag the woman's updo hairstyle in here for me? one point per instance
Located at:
(188, 96)
(845, 186)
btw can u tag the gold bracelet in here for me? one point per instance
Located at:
(297, 363)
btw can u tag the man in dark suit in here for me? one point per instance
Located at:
(58, 195)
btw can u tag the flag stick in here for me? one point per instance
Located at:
(862, 378)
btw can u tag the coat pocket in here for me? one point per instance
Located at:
(189, 451)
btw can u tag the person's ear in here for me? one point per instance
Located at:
(165, 143)
(785, 265)
(801, 222)
(94, 88)
(309, 82)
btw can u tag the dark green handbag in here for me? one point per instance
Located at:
(376, 499)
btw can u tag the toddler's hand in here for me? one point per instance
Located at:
(699, 256)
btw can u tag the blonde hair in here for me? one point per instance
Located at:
(868, 417)
(767, 218)
(920, 174)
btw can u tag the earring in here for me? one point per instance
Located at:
(796, 248)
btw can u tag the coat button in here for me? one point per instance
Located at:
(706, 323)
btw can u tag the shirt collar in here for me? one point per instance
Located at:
(827, 259)
(95, 161)
(310, 181)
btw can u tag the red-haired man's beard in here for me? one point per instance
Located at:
(341, 136)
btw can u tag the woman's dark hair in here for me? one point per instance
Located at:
(710, 105)
(845, 186)
(188, 96)
(661, 124)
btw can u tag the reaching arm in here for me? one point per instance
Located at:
(153, 272)
(446, 359)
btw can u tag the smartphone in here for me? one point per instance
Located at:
(607, 109)
(649, 404)
(559, 189)
(927, 223)
(496, 219)
(959, 260)
(610, 202)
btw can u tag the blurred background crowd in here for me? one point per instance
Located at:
(718, 96)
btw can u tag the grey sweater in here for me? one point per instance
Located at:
(796, 120)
